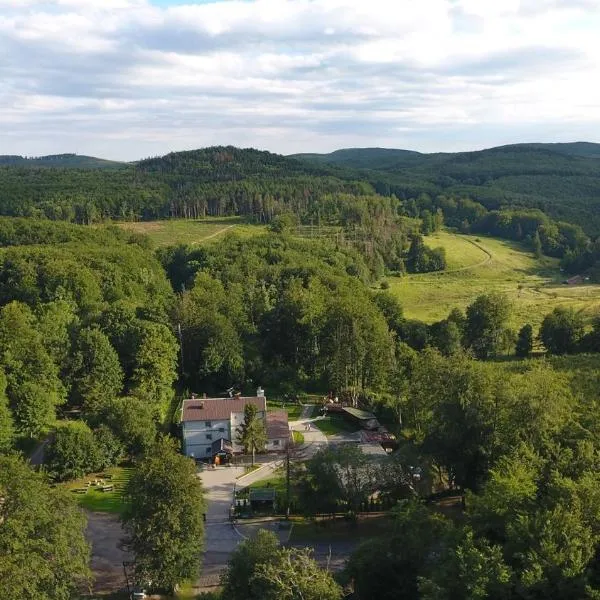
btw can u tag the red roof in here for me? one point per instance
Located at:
(218, 409)
(277, 425)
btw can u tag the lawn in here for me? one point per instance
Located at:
(533, 286)
(97, 500)
(276, 482)
(183, 231)
(334, 424)
(293, 410)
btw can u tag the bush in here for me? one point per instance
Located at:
(73, 452)
(110, 448)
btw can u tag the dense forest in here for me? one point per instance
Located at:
(262, 187)
(563, 180)
(101, 335)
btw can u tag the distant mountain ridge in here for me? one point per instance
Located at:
(69, 160)
(562, 180)
(382, 158)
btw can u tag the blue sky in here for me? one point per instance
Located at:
(132, 78)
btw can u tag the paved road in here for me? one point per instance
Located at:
(220, 538)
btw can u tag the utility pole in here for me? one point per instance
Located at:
(287, 482)
(180, 344)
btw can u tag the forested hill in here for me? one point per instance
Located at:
(73, 161)
(213, 181)
(563, 180)
(228, 163)
(365, 158)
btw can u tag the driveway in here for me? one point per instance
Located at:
(220, 537)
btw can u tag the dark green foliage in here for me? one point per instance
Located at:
(155, 361)
(237, 579)
(386, 569)
(259, 570)
(110, 447)
(163, 517)
(421, 259)
(562, 179)
(340, 477)
(33, 385)
(446, 336)
(524, 341)
(272, 309)
(485, 330)
(133, 422)
(95, 371)
(252, 434)
(7, 430)
(561, 331)
(73, 452)
(43, 550)
(292, 574)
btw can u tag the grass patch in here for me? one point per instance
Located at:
(334, 424)
(97, 500)
(533, 286)
(183, 231)
(293, 410)
(298, 437)
(276, 482)
(340, 530)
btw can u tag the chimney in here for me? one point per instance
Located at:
(204, 395)
(260, 393)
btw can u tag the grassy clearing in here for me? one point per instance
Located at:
(334, 424)
(97, 500)
(276, 482)
(533, 286)
(181, 231)
(293, 410)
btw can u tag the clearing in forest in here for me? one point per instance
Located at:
(479, 264)
(190, 231)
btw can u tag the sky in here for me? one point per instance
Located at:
(128, 79)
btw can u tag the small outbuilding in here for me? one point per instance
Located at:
(362, 418)
(278, 430)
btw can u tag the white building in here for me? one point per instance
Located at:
(205, 421)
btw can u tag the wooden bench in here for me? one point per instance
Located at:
(107, 488)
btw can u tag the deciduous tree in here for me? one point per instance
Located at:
(163, 519)
(43, 550)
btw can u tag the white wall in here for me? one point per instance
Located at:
(198, 436)
(276, 445)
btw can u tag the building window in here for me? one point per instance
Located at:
(275, 442)
(209, 437)
(208, 423)
(221, 429)
(208, 450)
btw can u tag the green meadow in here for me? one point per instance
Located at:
(190, 231)
(478, 264)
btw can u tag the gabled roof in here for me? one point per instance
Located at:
(218, 409)
(277, 425)
(222, 445)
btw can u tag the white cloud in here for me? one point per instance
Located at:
(294, 75)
